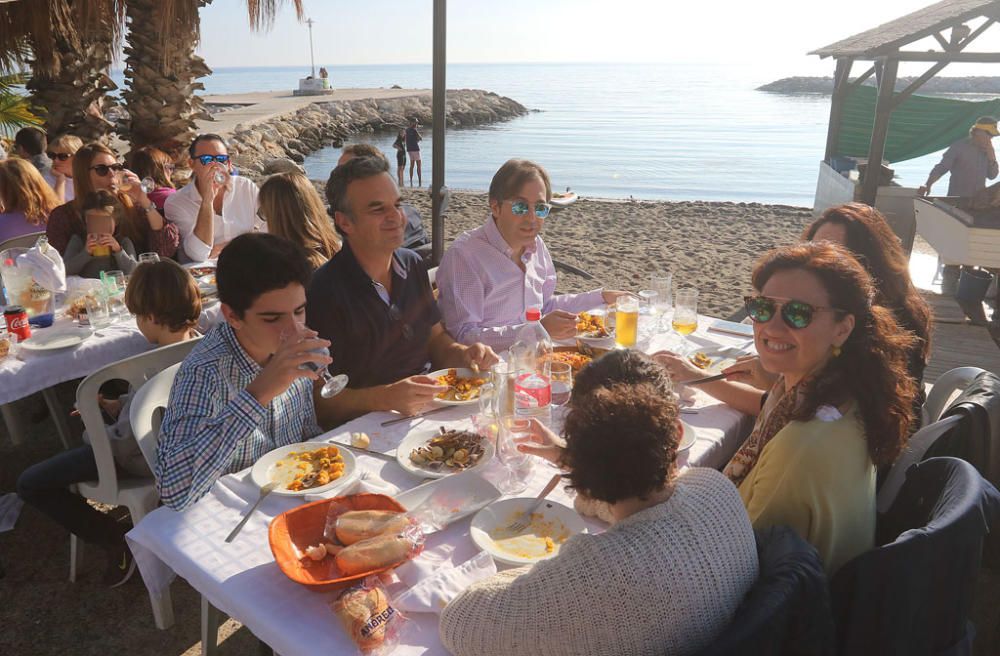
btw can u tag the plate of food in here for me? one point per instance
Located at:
(447, 451)
(713, 359)
(463, 386)
(576, 357)
(548, 529)
(593, 330)
(304, 468)
(56, 339)
(201, 270)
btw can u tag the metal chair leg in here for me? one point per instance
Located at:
(75, 557)
(211, 618)
(15, 428)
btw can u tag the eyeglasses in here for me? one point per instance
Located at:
(62, 157)
(796, 314)
(520, 208)
(208, 159)
(104, 169)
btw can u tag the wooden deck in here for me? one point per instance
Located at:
(956, 342)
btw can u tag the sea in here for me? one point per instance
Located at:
(683, 131)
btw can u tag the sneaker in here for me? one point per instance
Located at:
(121, 567)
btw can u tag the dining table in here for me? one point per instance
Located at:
(242, 579)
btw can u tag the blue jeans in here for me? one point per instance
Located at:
(44, 485)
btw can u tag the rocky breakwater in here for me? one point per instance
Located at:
(258, 148)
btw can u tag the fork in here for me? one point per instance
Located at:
(520, 524)
(264, 491)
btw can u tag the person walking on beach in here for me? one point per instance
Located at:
(971, 161)
(413, 140)
(400, 145)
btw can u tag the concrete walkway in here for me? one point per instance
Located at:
(262, 106)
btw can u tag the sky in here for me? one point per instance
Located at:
(778, 33)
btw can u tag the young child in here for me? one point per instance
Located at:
(164, 298)
(108, 245)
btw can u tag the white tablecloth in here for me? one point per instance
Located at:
(34, 371)
(242, 580)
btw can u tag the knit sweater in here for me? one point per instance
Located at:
(663, 581)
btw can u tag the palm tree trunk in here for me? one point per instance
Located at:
(72, 96)
(161, 74)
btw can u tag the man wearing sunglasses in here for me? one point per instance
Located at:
(216, 205)
(373, 301)
(491, 275)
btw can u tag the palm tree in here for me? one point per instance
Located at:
(162, 69)
(15, 111)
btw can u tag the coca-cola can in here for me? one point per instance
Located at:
(17, 322)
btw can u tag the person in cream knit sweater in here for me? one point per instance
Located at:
(665, 579)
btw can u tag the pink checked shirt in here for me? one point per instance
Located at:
(484, 294)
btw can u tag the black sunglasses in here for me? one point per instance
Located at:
(104, 169)
(796, 314)
(62, 157)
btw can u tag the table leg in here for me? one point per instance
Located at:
(58, 416)
(211, 618)
(13, 423)
(163, 609)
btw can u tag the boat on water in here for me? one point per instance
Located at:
(564, 199)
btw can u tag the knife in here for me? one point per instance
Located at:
(707, 379)
(367, 452)
(417, 416)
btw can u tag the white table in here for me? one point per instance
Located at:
(242, 580)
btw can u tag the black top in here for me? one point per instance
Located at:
(412, 140)
(373, 343)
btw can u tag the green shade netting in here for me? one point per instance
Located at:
(919, 126)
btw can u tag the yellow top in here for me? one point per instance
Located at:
(817, 477)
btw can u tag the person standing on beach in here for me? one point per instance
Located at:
(217, 205)
(400, 145)
(491, 275)
(413, 139)
(971, 161)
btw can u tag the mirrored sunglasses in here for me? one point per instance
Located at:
(520, 208)
(208, 159)
(62, 157)
(104, 169)
(796, 314)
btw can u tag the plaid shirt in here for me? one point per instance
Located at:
(213, 426)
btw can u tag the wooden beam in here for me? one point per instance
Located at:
(880, 129)
(951, 57)
(841, 88)
(863, 77)
(945, 44)
(916, 84)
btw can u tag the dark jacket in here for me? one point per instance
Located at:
(976, 439)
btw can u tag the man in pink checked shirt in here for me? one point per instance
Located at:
(491, 275)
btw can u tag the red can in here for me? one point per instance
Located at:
(17, 322)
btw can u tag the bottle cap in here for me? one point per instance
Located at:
(533, 314)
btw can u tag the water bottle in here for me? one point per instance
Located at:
(533, 387)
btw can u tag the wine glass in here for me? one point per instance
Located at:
(147, 184)
(661, 284)
(685, 319)
(332, 385)
(561, 377)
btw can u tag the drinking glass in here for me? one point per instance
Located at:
(504, 377)
(97, 311)
(661, 284)
(219, 176)
(114, 282)
(147, 184)
(148, 257)
(685, 319)
(332, 385)
(485, 420)
(516, 465)
(626, 321)
(561, 376)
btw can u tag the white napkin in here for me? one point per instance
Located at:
(432, 594)
(46, 267)
(371, 485)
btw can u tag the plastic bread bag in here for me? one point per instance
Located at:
(346, 526)
(386, 550)
(368, 617)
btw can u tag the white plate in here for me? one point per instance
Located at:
(264, 471)
(55, 339)
(419, 438)
(460, 495)
(688, 437)
(462, 373)
(722, 357)
(564, 520)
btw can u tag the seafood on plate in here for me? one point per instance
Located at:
(452, 449)
(309, 469)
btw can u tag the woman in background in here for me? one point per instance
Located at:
(153, 163)
(25, 199)
(400, 145)
(61, 151)
(293, 209)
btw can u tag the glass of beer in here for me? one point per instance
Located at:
(626, 321)
(685, 319)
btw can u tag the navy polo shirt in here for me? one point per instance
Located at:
(375, 342)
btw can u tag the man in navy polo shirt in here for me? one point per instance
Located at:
(373, 301)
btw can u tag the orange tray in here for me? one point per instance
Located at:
(302, 528)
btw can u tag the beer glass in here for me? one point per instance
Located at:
(626, 321)
(685, 319)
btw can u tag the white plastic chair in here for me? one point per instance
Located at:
(951, 381)
(432, 275)
(137, 494)
(912, 453)
(145, 413)
(24, 241)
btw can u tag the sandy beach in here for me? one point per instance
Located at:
(711, 246)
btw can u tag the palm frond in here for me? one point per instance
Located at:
(262, 12)
(15, 113)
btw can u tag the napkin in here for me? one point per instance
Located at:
(45, 266)
(371, 485)
(432, 594)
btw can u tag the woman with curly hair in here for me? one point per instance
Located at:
(864, 231)
(25, 199)
(841, 406)
(666, 578)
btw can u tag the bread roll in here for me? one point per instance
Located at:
(364, 614)
(374, 553)
(356, 525)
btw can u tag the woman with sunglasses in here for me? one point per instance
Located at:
(841, 405)
(153, 163)
(96, 168)
(490, 276)
(25, 199)
(61, 151)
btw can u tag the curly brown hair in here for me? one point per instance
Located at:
(871, 368)
(623, 366)
(876, 246)
(621, 442)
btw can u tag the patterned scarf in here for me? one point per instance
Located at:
(774, 415)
